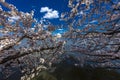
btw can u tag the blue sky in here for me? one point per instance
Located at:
(47, 9)
(56, 7)
(52, 9)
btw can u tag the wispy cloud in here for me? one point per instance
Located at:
(45, 9)
(13, 18)
(94, 22)
(50, 13)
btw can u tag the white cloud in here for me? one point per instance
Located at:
(13, 18)
(50, 14)
(81, 12)
(58, 35)
(45, 9)
(94, 21)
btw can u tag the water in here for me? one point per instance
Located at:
(66, 71)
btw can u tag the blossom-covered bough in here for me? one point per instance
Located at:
(24, 44)
(94, 33)
(94, 29)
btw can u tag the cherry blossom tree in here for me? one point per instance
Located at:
(94, 29)
(94, 33)
(24, 43)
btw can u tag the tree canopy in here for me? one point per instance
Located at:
(93, 31)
